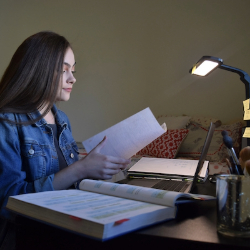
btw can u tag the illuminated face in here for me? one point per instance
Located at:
(68, 78)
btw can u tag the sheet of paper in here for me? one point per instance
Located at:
(167, 166)
(247, 115)
(247, 133)
(246, 104)
(129, 136)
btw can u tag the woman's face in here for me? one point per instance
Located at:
(68, 78)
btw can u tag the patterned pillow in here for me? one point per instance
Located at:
(192, 146)
(166, 145)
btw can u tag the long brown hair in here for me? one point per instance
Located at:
(33, 75)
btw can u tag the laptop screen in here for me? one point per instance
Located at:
(203, 153)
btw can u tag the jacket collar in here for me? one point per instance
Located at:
(59, 121)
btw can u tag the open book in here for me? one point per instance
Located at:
(102, 210)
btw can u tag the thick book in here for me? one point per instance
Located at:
(102, 210)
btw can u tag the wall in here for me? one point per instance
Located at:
(133, 54)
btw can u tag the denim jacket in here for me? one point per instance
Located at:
(28, 157)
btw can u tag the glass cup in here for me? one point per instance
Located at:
(233, 205)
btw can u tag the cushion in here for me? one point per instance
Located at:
(174, 122)
(166, 145)
(203, 121)
(193, 144)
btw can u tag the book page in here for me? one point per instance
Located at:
(150, 195)
(129, 136)
(87, 205)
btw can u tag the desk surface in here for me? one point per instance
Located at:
(195, 226)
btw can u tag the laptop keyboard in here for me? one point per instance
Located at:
(170, 185)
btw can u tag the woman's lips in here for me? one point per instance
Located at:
(68, 89)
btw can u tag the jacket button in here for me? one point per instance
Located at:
(31, 151)
(72, 155)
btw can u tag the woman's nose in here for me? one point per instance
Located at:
(72, 80)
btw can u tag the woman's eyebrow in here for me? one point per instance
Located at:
(67, 64)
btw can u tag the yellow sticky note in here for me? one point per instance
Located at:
(246, 104)
(247, 133)
(247, 115)
(193, 69)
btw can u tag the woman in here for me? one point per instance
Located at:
(37, 150)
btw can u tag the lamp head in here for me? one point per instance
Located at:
(206, 65)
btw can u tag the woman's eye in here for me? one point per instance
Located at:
(73, 72)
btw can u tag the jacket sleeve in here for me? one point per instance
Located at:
(12, 177)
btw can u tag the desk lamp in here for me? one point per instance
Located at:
(207, 64)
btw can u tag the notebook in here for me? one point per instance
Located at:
(183, 185)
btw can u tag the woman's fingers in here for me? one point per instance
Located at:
(119, 162)
(101, 166)
(99, 146)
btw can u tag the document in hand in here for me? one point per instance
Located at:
(101, 210)
(129, 136)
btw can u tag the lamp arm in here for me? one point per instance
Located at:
(244, 77)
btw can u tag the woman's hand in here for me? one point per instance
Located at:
(98, 166)
(94, 166)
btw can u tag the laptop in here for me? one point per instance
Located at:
(178, 185)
